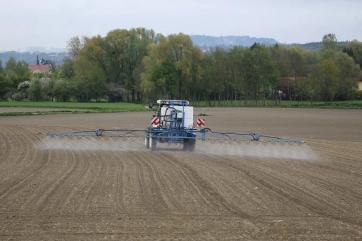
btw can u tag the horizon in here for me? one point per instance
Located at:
(41, 49)
(50, 25)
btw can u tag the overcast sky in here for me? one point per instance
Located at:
(50, 23)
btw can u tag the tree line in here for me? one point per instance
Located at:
(138, 65)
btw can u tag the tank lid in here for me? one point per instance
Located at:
(173, 102)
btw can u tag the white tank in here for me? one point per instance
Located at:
(185, 114)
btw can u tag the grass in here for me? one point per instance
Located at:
(95, 107)
(43, 112)
(68, 107)
(92, 106)
(348, 104)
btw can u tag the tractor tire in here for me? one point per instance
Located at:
(189, 144)
(152, 143)
(147, 142)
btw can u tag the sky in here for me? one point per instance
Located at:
(51, 23)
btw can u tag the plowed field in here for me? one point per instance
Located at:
(88, 191)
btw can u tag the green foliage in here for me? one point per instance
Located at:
(113, 60)
(335, 77)
(354, 49)
(75, 44)
(4, 83)
(329, 41)
(215, 75)
(67, 69)
(171, 67)
(260, 72)
(63, 89)
(90, 106)
(17, 72)
(35, 90)
(138, 65)
(11, 76)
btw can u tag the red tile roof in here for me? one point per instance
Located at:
(40, 68)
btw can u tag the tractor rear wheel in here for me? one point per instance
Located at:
(147, 142)
(189, 144)
(152, 143)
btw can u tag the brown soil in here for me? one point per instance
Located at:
(75, 194)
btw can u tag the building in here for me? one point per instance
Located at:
(41, 67)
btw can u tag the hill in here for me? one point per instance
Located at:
(30, 57)
(204, 42)
(315, 46)
(207, 42)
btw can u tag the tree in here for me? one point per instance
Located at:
(36, 90)
(326, 79)
(335, 77)
(138, 65)
(13, 74)
(22, 72)
(237, 82)
(348, 73)
(67, 69)
(125, 50)
(112, 63)
(4, 83)
(171, 67)
(260, 73)
(354, 50)
(10, 71)
(330, 41)
(90, 70)
(63, 89)
(74, 46)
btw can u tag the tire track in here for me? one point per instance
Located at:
(21, 182)
(16, 154)
(73, 182)
(54, 162)
(95, 188)
(319, 209)
(114, 195)
(85, 192)
(159, 203)
(142, 187)
(190, 184)
(207, 191)
(71, 185)
(236, 187)
(5, 146)
(336, 149)
(48, 156)
(118, 183)
(310, 172)
(42, 202)
(168, 195)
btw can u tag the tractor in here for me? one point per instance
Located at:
(173, 122)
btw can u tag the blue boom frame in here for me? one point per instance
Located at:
(172, 130)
